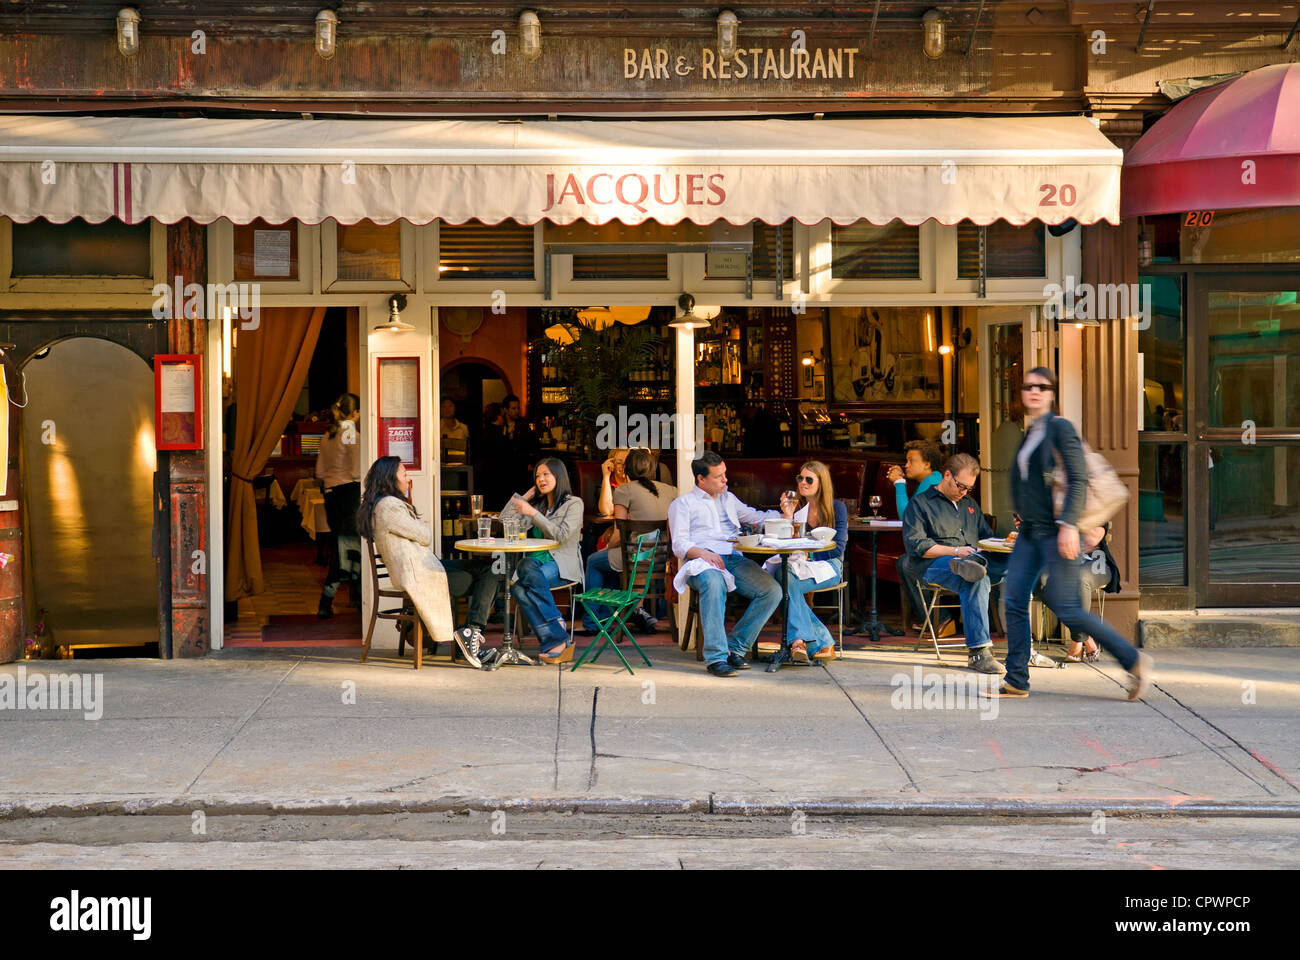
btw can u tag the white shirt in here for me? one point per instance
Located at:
(695, 519)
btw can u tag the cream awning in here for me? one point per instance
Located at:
(947, 169)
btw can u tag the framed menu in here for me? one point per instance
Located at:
(178, 401)
(397, 386)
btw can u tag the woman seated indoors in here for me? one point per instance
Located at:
(638, 498)
(817, 507)
(387, 519)
(554, 514)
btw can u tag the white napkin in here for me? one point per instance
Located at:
(697, 566)
(802, 568)
(800, 543)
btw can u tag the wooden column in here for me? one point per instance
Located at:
(1110, 396)
(189, 494)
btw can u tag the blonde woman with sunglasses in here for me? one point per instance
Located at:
(816, 507)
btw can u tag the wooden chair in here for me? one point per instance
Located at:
(628, 530)
(379, 572)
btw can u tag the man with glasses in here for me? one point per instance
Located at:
(941, 531)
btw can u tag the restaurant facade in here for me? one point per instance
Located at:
(883, 227)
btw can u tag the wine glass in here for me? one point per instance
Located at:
(875, 503)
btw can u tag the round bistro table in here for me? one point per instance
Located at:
(783, 654)
(510, 551)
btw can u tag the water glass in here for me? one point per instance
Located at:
(476, 504)
(485, 528)
(510, 526)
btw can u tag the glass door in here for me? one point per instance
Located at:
(1008, 346)
(1246, 443)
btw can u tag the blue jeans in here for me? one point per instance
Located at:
(532, 592)
(1035, 550)
(480, 579)
(974, 600)
(764, 597)
(599, 574)
(804, 624)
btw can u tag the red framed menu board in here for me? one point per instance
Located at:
(178, 401)
(397, 390)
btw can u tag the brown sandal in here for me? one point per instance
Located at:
(799, 652)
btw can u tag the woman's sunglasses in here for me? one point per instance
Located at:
(805, 479)
(1040, 387)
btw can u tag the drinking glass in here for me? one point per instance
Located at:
(875, 502)
(510, 526)
(476, 504)
(485, 528)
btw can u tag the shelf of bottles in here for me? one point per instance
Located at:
(653, 381)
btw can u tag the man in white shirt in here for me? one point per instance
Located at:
(704, 523)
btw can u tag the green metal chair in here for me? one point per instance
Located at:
(619, 603)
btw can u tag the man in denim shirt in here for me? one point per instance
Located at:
(943, 527)
(704, 523)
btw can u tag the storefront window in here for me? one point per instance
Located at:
(369, 251)
(620, 266)
(1254, 359)
(1011, 251)
(765, 250)
(861, 251)
(1240, 236)
(1161, 349)
(1162, 517)
(80, 249)
(1255, 514)
(266, 251)
(474, 250)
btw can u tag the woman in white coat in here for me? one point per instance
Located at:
(387, 518)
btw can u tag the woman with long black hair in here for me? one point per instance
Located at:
(1052, 541)
(387, 518)
(556, 514)
(338, 467)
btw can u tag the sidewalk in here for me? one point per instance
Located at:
(253, 730)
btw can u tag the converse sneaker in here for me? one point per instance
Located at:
(982, 661)
(470, 641)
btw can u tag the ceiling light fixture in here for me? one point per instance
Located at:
(327, 31)
(692, 317)
(934, 31)
(128, 31)
(728, 34)
(530, 35)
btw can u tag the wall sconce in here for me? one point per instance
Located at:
(934, 30)
(944, 349)
(728, 34)
(1146, 248)
(691, 317)
(395, 323)
(327, 29)
(128, 31)
(530, 35)
(808, 360)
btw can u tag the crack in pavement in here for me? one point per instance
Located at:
(911, 779)
(591, 772)
(242, 723)
(1218, 752)
(559, 713)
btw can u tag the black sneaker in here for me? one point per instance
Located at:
(470, 641)
(722, 668)
(737, 661)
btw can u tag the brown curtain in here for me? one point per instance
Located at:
(273, 363)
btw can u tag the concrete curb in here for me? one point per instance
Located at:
(634, 806)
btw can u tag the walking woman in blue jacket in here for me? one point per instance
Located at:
(1051, 541)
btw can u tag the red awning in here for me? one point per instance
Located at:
(1235, 145)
